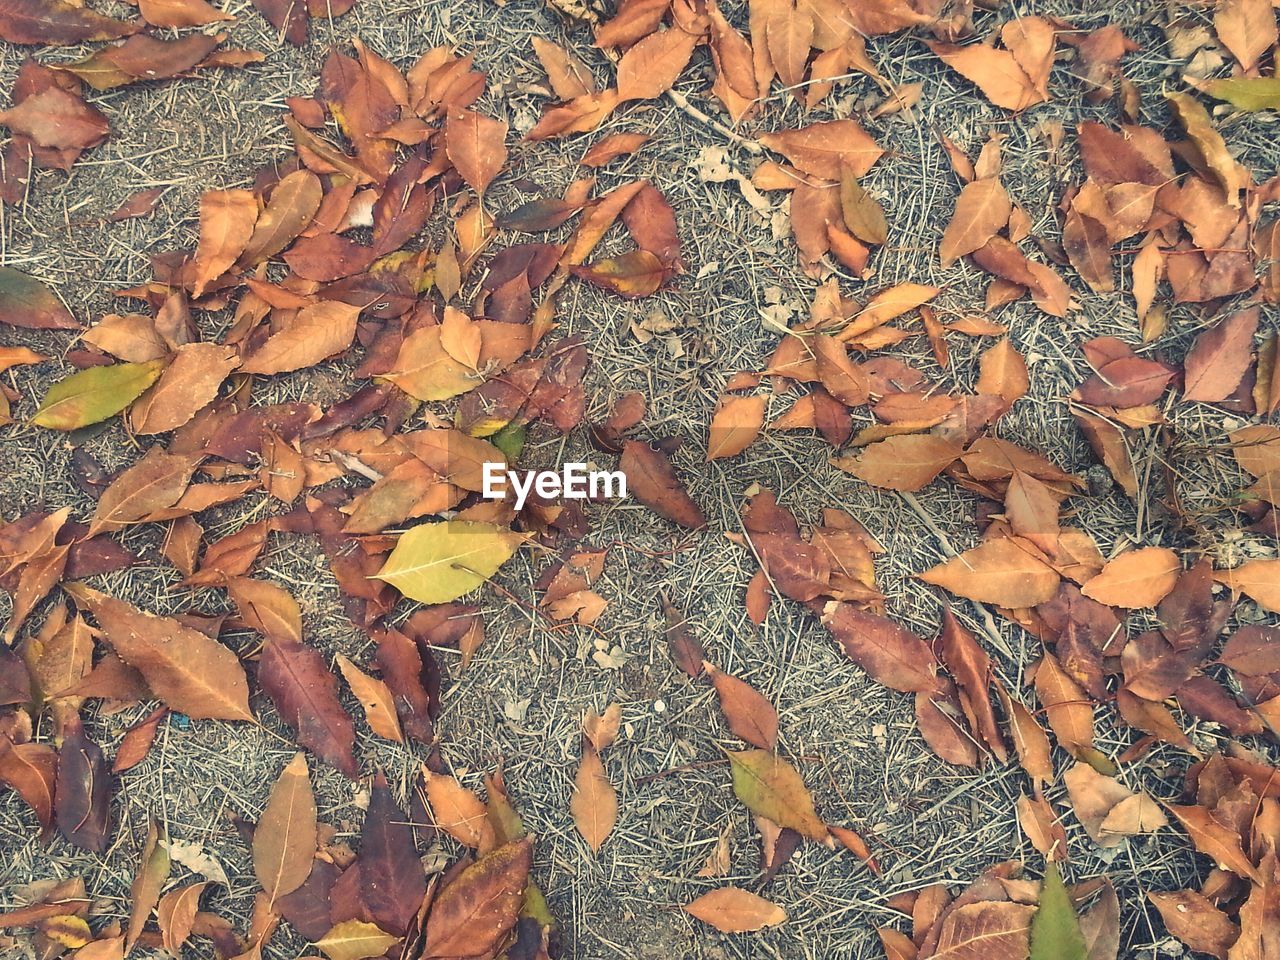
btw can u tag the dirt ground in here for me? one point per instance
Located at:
(521, 701)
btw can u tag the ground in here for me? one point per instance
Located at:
(520, 702)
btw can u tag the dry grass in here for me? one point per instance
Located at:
(521, 701)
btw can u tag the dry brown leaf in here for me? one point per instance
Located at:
(1003, 373)
(227, 218)
(998, 571)
(476, 146)
(905, 462)
(594, 804)
(1135, 578)
(188, 384)
(1247, 28)
(186, 669)
(982, 210)
(735, 426)
(458, 811)
(316, 333)
(751, 716)
(651, 67)
(375, 698)
(733, 910)
(1257, 579)
(284, 843)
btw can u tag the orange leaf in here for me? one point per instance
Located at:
(905, 462)
(1135, 578)
(981, 211)
(998, 571)
(735, 426)
(733, 910)
(650, 67)
(227, 218)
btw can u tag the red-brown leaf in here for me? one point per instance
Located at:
(305, 694)
(652, 480)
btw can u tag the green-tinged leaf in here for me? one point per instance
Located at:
(439, 562)
(1247, 93)
(95, 394)
(1055, 930)
(510, 440)
(26, 302)
(356, 940)
(770, 787)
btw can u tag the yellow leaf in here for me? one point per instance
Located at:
(355, 940)
(439, 562)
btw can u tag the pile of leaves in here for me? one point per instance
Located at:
(374, 247)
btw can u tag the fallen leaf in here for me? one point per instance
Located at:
(82, 796)
(1193, 919)
(375, 698)
(751, 717)
(996, 73)
(227, 219)
(316, 333)
(652, 480)
(998, 571)
(1002, 372)
(770, 787)
(594, 803)
(735, 426)
(284, 842)
(305, 694)
(137, 741)
(176, 914)
(290, 209)
(635, 274)
(1109, 811)
(153, 484)
(1135, 578)
(1199, 127)
(475, 145)
(439, 562)
(57, 22)
(982, 210)
(355, 940)
(890, 653)
(190, 672)
(31, 770)
(392, 881)
(180, 13)
(24, 300)
(1247, 28)
(827, 149)
(1055, 929)
(650, 67)
(153, 872)
(995, 930)
(188, 384)
(1218, 359)
(95, 394)
(1215, 840)
(904, 462)
(458, 812)
(733, 910)
(475, 911)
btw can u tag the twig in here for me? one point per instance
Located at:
(681, 101)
